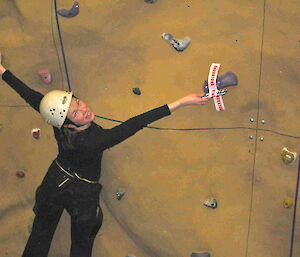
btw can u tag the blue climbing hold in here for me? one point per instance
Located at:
(71, 12)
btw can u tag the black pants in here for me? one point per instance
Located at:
(80, 199)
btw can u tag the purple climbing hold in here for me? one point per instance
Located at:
(204, 254)
(71, 12)
(223, 81)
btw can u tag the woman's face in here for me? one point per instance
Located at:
(79, 112)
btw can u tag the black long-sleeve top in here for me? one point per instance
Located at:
(84, 152)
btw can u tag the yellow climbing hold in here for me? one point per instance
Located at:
(288, 202)
(288, 157)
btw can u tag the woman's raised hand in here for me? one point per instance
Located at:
(191, 99)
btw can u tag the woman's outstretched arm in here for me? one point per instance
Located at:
(29, 95)
(2, 69)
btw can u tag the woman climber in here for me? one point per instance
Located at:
(72, 180)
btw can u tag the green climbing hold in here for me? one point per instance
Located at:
(29, 228)
(136, 91)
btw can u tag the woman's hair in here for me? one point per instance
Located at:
(68, 121)
(67, 134)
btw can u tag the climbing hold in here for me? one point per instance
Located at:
(178, 44)
(36, 133)
(288, 157)
(204, 254)
(136, 91)
(29, 228)
(120, 193)
(288, 202)
(130, 255)
(150, 1)
(71, 12)
(20, 174)
(227, 80)
(211, 203)
(45, 75)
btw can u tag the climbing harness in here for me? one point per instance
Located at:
(73, 176)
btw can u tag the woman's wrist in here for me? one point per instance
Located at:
(2, 69)
(175, 105)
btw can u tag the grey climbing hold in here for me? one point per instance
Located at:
(150, 1)
(120, 193)
(204, 254)
(211, 203)
(130, 255)
(71, 12)
(178, 44)
(136, 91)
(227, 80)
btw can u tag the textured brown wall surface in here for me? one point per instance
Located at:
(114, 46)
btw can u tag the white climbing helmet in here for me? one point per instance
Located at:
(54, 107)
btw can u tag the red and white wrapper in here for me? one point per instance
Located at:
(212, 86)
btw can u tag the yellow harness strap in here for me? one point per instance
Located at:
(71, 175)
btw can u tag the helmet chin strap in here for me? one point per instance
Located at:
(68, 121)
(78, 126)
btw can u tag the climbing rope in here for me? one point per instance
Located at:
(295, 212)
(62, 45)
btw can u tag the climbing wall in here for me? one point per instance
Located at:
(155, 183)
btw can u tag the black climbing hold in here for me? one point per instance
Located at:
(136, 90)
(20, 174)
(150, 1)
(70, 13)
